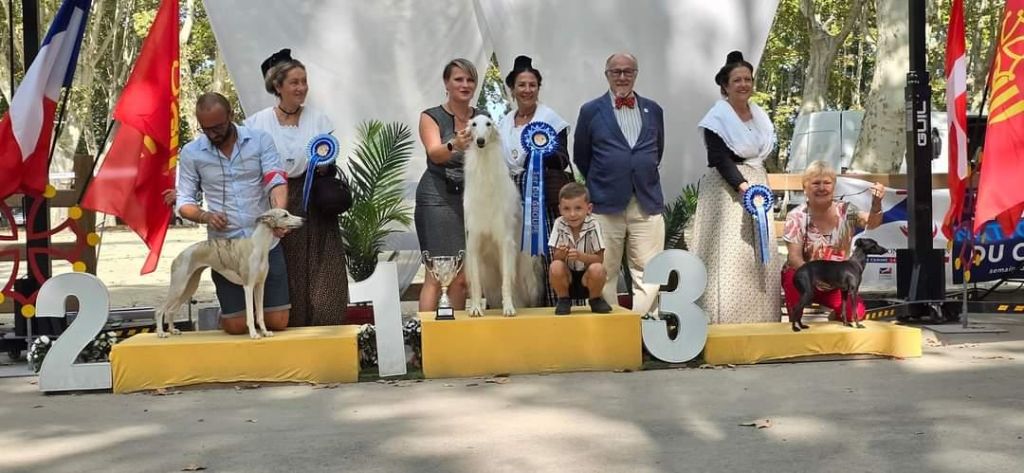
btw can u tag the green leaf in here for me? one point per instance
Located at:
(376, 172)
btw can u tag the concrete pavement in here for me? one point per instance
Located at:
(959, 408)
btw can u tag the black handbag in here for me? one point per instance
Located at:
(331, 195)
(554, 180)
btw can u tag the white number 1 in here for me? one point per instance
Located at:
(381, 289)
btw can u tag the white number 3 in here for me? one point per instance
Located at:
(693, 324)
(59, 371)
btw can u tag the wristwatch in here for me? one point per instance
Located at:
(450, 146)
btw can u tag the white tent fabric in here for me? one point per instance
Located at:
(378, 59)
(680, 44)
(383, 59)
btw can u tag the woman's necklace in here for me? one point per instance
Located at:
(287, 113)
(458, 120)
(822, 220)
(524, 118)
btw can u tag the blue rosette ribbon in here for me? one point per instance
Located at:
(758, 201)
(540, 139)
(322, 149)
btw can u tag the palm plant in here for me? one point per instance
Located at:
(377, 179)
(677, 214)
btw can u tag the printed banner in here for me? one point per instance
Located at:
(999, 257)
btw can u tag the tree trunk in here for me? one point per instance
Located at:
(981, 51)
(79, 114)
(220, 74)
(188, 95)
(882, 143)
(823, 48)
(855, 101)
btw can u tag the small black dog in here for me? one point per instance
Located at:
(842, 275)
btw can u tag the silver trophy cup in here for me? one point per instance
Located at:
(444, 269)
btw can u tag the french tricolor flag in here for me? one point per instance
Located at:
(27, 127)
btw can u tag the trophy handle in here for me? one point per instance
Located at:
(460, 260)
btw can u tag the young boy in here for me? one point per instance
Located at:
(577, 251)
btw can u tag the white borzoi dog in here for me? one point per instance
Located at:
(242, 261)
(493, 214)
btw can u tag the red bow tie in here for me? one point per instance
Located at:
(625, 101)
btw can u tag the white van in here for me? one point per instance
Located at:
(832, 136)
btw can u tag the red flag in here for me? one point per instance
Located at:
(27, 128)
(140, 164)
(1000, 193)
(956, 108)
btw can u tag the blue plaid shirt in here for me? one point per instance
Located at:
(237, 186)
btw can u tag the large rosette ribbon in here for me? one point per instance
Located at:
(758, 201)
(540, 140)
(323, 149)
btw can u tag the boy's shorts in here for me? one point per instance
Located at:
(576, 288)
(275, 292)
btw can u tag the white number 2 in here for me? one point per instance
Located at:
(381, 289)
(693, 324)
(59, 371)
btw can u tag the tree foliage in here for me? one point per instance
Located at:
(113, 38)
(781, 75)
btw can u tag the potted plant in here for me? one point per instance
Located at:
(376, 177)
(679, 218)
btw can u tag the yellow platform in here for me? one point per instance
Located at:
(301, 354)
(752, 343)
(534, 341)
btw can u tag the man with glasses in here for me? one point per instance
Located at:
(619, 142)
(240, 175)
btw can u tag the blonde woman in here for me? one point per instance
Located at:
(822, 229)
(440, 226)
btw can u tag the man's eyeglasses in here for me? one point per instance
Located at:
(221, 128)
(621, 72)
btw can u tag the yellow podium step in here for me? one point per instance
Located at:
(301, 354)
(752, 343)
(534, 341)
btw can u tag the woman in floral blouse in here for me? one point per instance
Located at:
(823, 229)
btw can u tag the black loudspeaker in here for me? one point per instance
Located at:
(931, 282)
(976, 127)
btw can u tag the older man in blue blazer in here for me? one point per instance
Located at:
(619, 142)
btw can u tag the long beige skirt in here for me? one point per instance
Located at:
(740, 289)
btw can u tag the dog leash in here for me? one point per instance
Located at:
(844, 196)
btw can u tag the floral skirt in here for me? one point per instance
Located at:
(740, 289)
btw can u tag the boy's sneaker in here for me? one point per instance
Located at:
(563, 306)
(599, 306)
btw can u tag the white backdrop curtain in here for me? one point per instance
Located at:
(382, 59)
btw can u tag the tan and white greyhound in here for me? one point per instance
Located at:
(243, 261)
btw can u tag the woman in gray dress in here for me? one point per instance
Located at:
(439, 217)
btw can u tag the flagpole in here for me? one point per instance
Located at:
(970, 194)
(95, 161)
(10, 42)
(36, 248)
(59, 127)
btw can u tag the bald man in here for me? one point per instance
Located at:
(619, 142)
